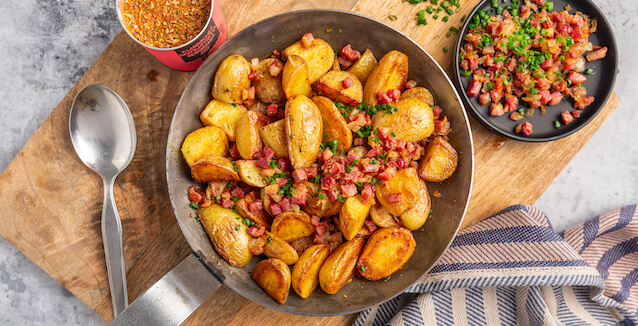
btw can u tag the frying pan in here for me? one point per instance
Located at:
(205, 270)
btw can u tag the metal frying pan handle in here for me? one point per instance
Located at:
(174, 297)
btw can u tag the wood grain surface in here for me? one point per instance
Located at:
(50, 203)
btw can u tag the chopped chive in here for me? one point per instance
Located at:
(392, 17)
(556, 124)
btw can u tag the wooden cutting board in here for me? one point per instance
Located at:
(50, 203)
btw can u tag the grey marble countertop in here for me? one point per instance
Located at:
(48, 45)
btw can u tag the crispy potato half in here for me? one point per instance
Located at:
(332, 84)
(334, 125)
(390, 73)
(305, 274)
(387, 250)
(207, 140)
(273, 275)
(268, 88)
(274, 135)
(231, 78)
(363, 67)
(250, 174)
(213, 168)
(421, 93)
(247, 133)
(399, 193)
(276, 247)
(415, 217)
(222, 115)
(439, 161)
(338, 268)
(304, 131)
(353, 215)
(315, 205)
(295, 77)
(291, 226)
(381, 217)
(319, 57)
(413, 120)
(227, 233)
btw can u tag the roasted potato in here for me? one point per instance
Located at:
(222, 115)
(421, 93)
(387, 250)
(439, 161)
(203, 141)
(331, 85)
(353, 213)
(278, 248)
(273, 275)
(295, 77)
(335, 66)
(213, 168)
(363, 67)
(291, 226)
(231, 78)
(381, 217)
(416, 216)
(338, 268)
(261, 217)
(305, 274)
(334, 125)
(247, 133)
(250, 174)
(304, 131)
(274, 135)
(315, 205)
(268, 88)
(413, 120)
(390, 73)
(319, 57)
(405, 182)
(227, 233)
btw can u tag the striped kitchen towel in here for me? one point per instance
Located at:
(513, 269)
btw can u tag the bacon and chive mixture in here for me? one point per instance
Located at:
(529, 55)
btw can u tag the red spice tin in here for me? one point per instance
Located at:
(191, 55)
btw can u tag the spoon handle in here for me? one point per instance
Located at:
(114, 249)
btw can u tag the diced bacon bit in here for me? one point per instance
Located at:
(321, 238)
(248, 96)
(194, 195)
(367, 192)
(267, 152)
(371, 168)
(253, 195)
(348, 190)
(321, 230)
(511, 103)
(414, 164)
(227, 203)
(597, 55)
(256, 206)
(437, 111)
(516, 116)
(576, 78)
(284, 164)
(387, 174)
(237, 192)
(299, 175)
(281, 181)
(327, 182)
(307, 40)
(275, 68)
(583, 103)
(566, 117)
(300, 197)
(262, 163)
(315, 220)
(285, 204)
(526, 128)
(347, 82)
(394, 198)
(312, 172)
(275, 209)
(383, 98)
(272, 109)
(496, 110)
(576, 113)
(394, 94)
(275, 54)
(402, 163)
(401, 144)
(410, 84)
(352, 176)
(474, 88)
(255, 75)
(441, 127)
(484, 99)
(344, 62)
(349, 54)
(351, 156)
(206, 203)
(271, 190)
(327, 155)
(370, 225)
(332, 194)
(256, 245)
(256, 232)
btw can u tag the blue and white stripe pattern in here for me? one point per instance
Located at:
(513, 269)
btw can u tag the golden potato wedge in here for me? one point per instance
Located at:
(233, 152)
(334, 125)
(291, 226)
(387, 250)
(316, 205)
(304, 131)
(335, 65)
(413, 120)
(439, 161)
(261, 217)
(390, 73)
(278, 248)
(295, 77)
(381, 217)
(231, 78)
(227, 233)
(363, 67)
(268, 88)
(421, 93)
(273, 275)
(250, 174)
(305, 274)
(274, 135)
(331, 86)
(338, 268)
(203, 141)
(319, 57)
(213, 168)
(222, 115)
(353, 213)
(406, 183)
(247, 133)
(415, 217)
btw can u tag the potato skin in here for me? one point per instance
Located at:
(331, 86)
(222, 115)
(363, 67)
(213, 168)
(334, 125)
(305, 274)
(315, 205)
(381, 217)
(413, 120)
(273, 276)
(291, 226)
(247, 133)
(390, 73)
(268, 88)
(338, 268)
(231, 78)
(353, 215)
(295, 77)
(439, 161)
(319, 57)
(227, 233)
(421, 93)
(274, 135)
(304, 131)
(280, 249)
(405, 182)
(250, 174)
(387, 250)
(415, 217)
(207, 140)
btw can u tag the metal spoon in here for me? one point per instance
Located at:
(103, 135)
